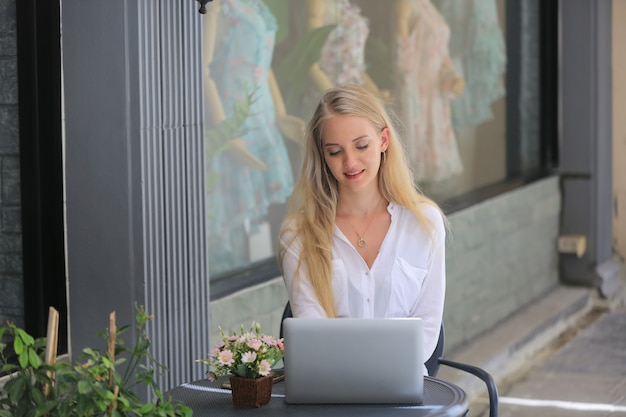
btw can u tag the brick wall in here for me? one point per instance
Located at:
(11, 299)
(501, 256)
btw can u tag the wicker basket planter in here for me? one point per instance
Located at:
(249, 392)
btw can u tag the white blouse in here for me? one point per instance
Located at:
(407, 278)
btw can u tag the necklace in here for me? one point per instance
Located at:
(361, 243)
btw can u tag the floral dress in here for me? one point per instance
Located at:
(422, 59)
(478, 48)
(242, 59)
(342, 57)
(343, 54)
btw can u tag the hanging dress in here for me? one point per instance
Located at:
(422, 58)
(242, 60)
(342, 57)
(477, 47)
(343, 53)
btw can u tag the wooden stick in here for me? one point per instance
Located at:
(52, 340)
(116, 393)
(112, 339)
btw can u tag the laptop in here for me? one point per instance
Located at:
(353, 361)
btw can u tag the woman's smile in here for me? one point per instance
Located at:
(354, 174)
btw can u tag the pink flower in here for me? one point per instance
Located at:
(254, 344)
(264, 368)
(225, 358)
(248, 357)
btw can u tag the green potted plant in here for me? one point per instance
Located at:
(93, 386)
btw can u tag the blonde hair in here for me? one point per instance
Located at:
(312, 206)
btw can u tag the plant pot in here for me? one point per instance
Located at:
(249, 392)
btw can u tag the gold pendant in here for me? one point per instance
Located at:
(361, 243)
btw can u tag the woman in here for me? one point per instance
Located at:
(359, 239)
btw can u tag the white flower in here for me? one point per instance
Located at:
(248, 357)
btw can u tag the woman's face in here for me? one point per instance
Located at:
(352, 149)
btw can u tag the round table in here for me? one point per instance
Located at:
(207, 398)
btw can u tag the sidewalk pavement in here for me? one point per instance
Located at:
(564, 355)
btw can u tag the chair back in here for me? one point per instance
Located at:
(432, 364)
(286, 313)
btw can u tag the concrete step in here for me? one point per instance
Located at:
(510, 346)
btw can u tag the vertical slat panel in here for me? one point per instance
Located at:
(199, 305)
(176, 288)
(152, 170)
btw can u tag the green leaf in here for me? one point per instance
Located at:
(28, 339)
(146, 408)
(9, 368)
(34, 359)
(16, 388)
(83, 387)
(23, 358)
(242, 370)
(46, 408)
(123, 401)
(89, 351)
(185, 411)
(18, 345)
(85, 406)
(38, 397)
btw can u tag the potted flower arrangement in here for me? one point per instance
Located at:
(248, 357)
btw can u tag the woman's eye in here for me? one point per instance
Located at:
(362, 147)
(334, 152)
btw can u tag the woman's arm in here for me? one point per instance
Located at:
(301, 293)
(432, 295)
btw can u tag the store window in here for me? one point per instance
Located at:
(462, 77)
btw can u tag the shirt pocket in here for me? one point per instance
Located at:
(406, 287)
(340, 288)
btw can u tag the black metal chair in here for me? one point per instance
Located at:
(436, 359)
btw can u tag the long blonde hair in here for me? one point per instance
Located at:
(312, 206)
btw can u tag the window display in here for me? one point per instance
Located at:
(439, 64)
(255, 171)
